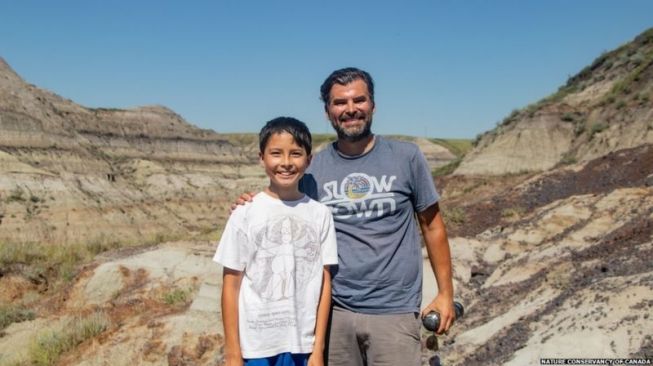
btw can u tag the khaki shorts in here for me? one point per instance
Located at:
(357, 339)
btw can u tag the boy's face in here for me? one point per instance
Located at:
(284, 161)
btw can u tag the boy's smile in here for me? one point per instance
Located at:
(285, 163)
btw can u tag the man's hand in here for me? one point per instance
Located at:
(443, 306)
(240, 201)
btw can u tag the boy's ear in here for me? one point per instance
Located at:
(308, 160)
(260, 159)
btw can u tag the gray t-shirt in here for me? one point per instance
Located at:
(373, 198)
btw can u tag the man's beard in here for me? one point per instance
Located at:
(353, 135)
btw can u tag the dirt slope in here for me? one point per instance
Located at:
(607, 106)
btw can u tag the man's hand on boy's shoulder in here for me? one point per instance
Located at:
(242, 200)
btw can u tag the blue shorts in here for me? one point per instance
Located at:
(282, 359)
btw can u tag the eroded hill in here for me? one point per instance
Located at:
(607, 106)
(71, 174)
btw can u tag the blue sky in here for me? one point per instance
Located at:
(442, 68)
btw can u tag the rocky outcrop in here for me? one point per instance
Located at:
(158, 306)
(72, 174)
(561, 284)
(606, 107)
(568, 274)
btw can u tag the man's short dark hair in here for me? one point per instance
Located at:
(293, 126)
(344, 77)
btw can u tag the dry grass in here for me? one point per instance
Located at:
(50, 344)
(14, 314)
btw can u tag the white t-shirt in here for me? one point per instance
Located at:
(282, 247)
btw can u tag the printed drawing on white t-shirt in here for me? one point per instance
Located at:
(286, 252)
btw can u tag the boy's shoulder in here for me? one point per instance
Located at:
(320, 208)
(319, 205)
(262, 203)
(242, 211)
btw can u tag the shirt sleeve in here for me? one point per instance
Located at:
(233, 247)
(328, 239)
(424, 192)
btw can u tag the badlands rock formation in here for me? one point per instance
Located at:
(71, 174)
(572, 276)
(606, 107)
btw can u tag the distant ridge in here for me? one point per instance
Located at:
(606, 107)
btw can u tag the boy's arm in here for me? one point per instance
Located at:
(322, 320)
(231, 281)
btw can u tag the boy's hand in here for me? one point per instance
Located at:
(316, 359)
(240, 201)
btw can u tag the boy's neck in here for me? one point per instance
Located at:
(292, 194)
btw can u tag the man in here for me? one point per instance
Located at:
(374, 188)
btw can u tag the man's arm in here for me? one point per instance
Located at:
(322, 320)
(231, 281)
(437, 247)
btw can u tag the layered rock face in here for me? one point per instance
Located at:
(72, 174)
(563, 269)
(569, 273)
(606, 107)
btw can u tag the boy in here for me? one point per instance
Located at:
(276, 292)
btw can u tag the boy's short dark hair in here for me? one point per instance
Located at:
(344, 77)
(293, 126)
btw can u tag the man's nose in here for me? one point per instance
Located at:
(351, 107)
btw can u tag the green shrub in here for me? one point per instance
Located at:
(176, 297)
(568, 159)
(14, 314)
(512, 212)
(447, 169)
(597, 128)
(579, 128)
(16, 195)
(567, 117)
(454, 215)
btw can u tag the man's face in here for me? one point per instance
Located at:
(350, 110)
